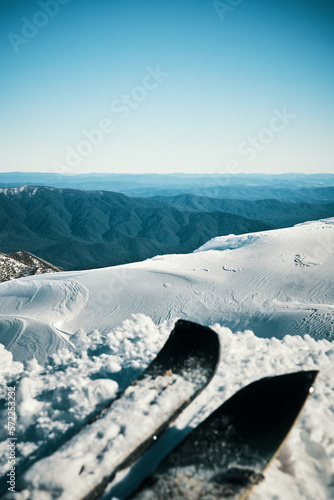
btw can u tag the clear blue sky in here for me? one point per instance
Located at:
(248, 81)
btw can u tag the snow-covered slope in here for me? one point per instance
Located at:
(275, 283)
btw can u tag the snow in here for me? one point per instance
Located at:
(231, 242)
(280, 282)
(76, 338)
(12, 191)
(106, 443)
(60, 396)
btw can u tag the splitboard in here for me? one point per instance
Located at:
(226, 455)
(84, 465)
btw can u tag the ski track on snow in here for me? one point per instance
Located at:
(269, 294)
(36, 325)
(282, 291)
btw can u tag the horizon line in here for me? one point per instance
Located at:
(220, 174)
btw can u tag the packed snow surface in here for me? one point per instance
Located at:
(56, 399)
(74, 339)
(275, 283)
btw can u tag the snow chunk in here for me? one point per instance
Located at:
(231, 242)
(304, 261)
(9, 369)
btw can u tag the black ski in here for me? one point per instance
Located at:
(86, 463)
(226, 455)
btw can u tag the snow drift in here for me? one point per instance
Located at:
(56, 399)
(74, 339)
(275, 283)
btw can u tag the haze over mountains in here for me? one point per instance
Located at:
(91, 330)
(272, 211)
(286, 187)
(79, 229)
(83, 335)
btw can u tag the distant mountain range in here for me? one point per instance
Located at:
(279, 213)
(21, 264)
(314, 188)
(275, 283)
(88, 229)
(76, 229)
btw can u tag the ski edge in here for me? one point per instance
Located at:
(315, 373)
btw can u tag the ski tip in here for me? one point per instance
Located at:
(301, 382)
(307, 377)
(204, 340)
(190, 347)
(302, 378)
(272, 401)
(187, 328)
(186, 325)
(310, 377)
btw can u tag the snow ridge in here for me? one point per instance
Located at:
(275, 283)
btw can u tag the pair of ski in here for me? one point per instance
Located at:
(224, 457)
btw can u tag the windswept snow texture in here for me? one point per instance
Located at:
(275, 283)
(55, 400)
